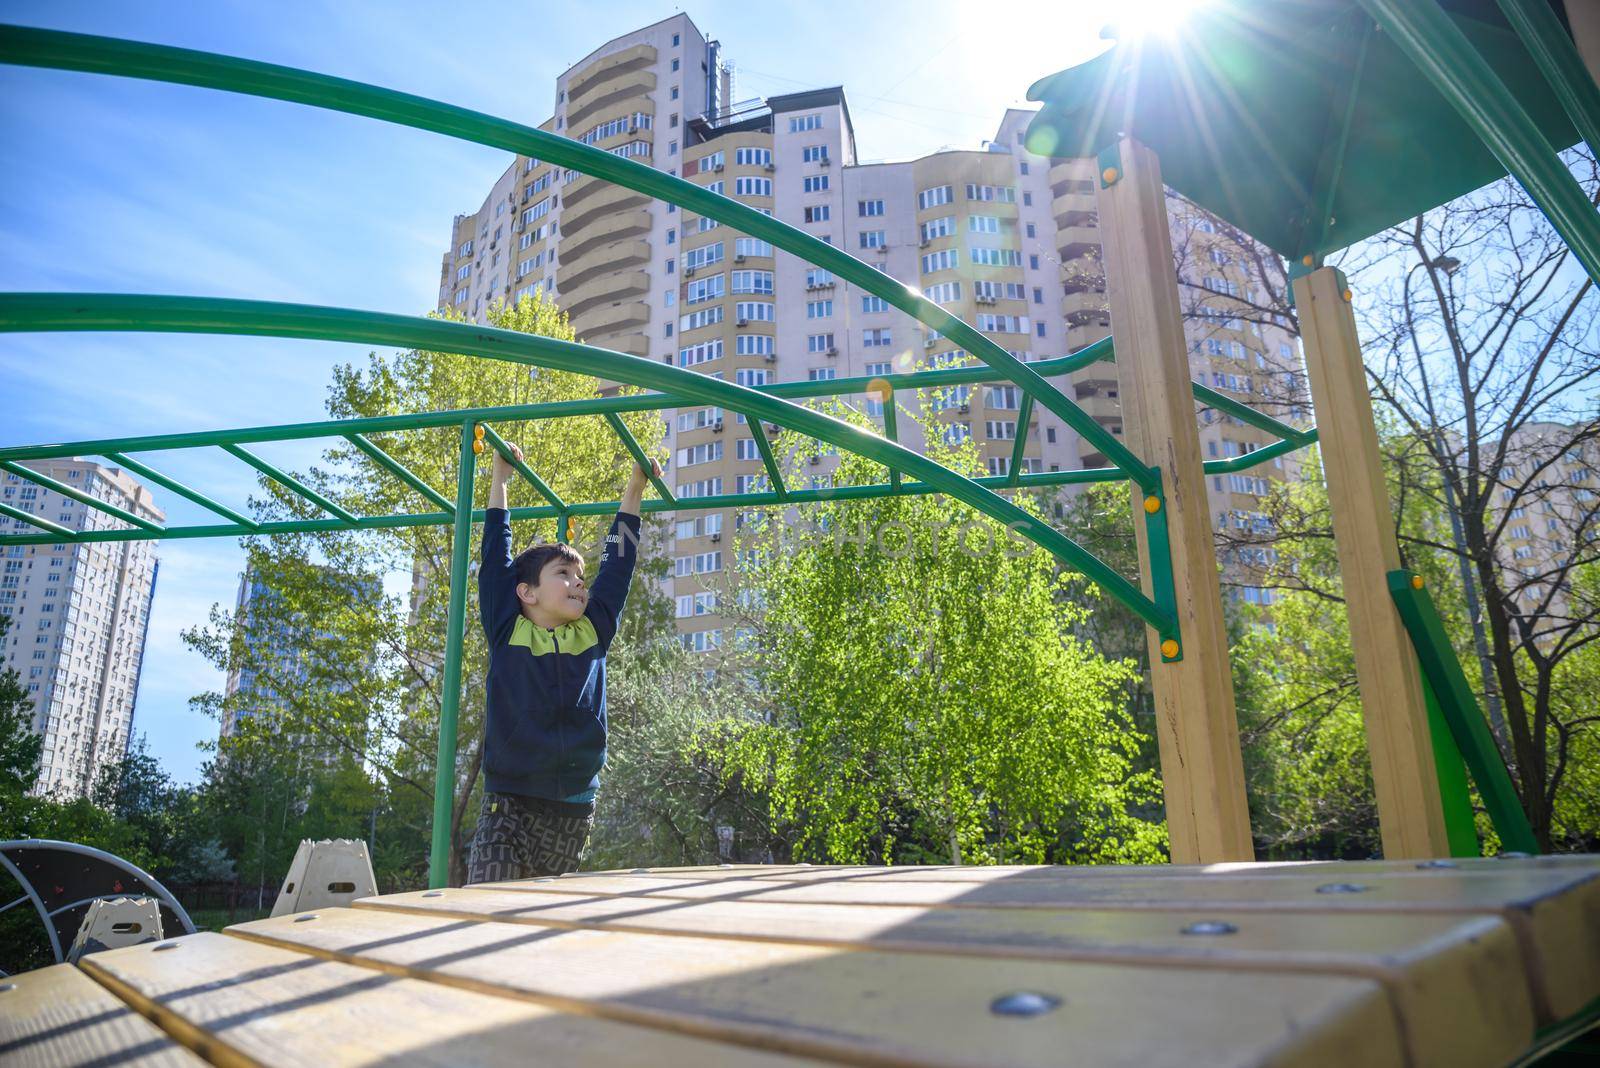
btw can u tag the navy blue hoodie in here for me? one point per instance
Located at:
(545, 721)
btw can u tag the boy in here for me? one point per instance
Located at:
(545, 724)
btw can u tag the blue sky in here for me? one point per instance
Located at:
(113, 185)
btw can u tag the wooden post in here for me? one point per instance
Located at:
(1202, 772)
(1410, 813)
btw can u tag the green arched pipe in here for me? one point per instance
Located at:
(27, 46)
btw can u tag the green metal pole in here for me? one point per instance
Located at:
(1024, 419)
(400, 471)
(1445, 56)
(290, 483)
(500, 446)
(178, 487)
(78, 495)
(636, 450)
(1557, 57)
(444, 783)
(769, 459)
(38, 521)
(1460, 709)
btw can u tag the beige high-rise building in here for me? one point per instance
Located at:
(79, 618)
(1004, 239)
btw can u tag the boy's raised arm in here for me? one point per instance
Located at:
(497, 584)
(618, 556)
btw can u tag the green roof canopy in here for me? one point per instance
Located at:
(1302, 122)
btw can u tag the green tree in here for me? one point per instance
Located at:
(927, 697)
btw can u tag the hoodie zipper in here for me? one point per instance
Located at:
(561, 734)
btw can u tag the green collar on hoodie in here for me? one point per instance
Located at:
(575, 637)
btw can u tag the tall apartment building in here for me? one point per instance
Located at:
(79, 618)
(1004, 239)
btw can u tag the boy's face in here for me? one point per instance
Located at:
(561, 595)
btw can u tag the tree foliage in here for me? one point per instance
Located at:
(927, 698)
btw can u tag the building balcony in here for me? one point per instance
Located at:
(1080, 336)
(1075, 241)
(1086, 308)
(592, 199)
(1075, 209)
(588, 91)
(1071, 175)
(600, 321)
(604, 289)
(576, 243)
(578, 269)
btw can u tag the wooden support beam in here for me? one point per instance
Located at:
(1201, 769)
(1410, 814)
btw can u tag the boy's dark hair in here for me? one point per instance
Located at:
(531, 562)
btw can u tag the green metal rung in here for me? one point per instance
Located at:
(1255, 458)
(891, 431)
(1460, 710)
(1245, 413)
(291, 483)
(1023, 418)
(635, 450)
(37, 521)
(122, 460)
(769, 459)
(77, 495)
(400, 471)
(523, 469)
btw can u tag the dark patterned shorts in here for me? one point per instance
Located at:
(526, 837)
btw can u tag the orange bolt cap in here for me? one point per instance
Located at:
(1308, 259)
(1348, 296)
(477, 446)
(1416, 582)
(1169, 648)
(477, 431)
(1152, 504)
(1109, 175)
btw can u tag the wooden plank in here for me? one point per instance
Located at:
(870, 1007)
(1555, 910)
(1202, 773)
(240, 1002)
(1458, 983)
(942, 873)
(59, 1016)
(1410, 814)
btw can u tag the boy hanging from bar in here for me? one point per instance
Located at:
(545, 721)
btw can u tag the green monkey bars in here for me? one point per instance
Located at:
(908, 472)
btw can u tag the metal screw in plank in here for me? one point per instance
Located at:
(1342, 888)
(1513, 854)
(434, 893)
(1438, 864)
(305, 918)
(1210, 927)
(159, 946)
(1023, 1003)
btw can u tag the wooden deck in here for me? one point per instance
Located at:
(1369, 963)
